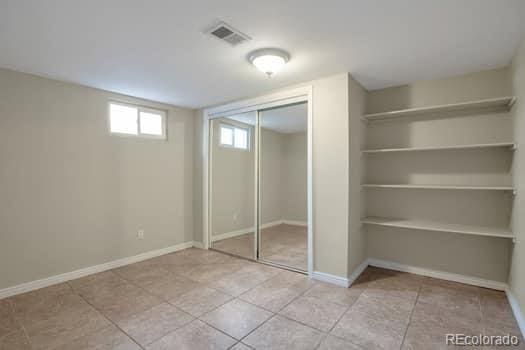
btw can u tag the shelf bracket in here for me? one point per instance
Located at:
(514, 147)
(514, 240)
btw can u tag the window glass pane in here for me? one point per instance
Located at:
(123, 119)
(226, 136)
(151, 123)
(241, 138)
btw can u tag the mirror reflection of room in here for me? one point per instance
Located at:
(283, 186)
(233, 184)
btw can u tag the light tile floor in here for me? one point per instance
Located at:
(196, 299)
(281, 244)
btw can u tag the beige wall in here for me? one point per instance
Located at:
(232, 183)
(480, 257)
(282, 174)
(517, 270)
(72, 195)
(294, 177)
(331, 174)
(468, 87)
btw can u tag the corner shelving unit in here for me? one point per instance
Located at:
(441, 187)
(440, 227)
(510, 145)
(500, 104)
(479, 107)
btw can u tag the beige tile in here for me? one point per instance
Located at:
(15, 341)
(124, 302)
(65, 306)
(495, 307)
(40, 299)
(240, 346)
(65, 327)
(277, 292)
(244, 279)
(8, 323)
(457, 299)
(430, 323)
(153, 324)
(208, 257)
(393, 283)
(201, 300)
(143, 274)
(334, 343)
(313, 312)
(173, 288)
(375, 322)
(495, 327)
(211, 272)
(98, 284)
(109, 338)
(280, 333)
(236, 318)
(335, 294)
(194, 336)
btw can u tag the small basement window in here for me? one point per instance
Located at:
(233, 136)
(132, 120)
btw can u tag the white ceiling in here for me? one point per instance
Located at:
(156, 49)
(285, 120)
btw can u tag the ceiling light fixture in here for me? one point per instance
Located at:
(269, 61)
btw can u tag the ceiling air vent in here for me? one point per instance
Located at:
(228, 34)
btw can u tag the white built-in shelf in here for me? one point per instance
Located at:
(509, 145)
(493, 104)
(440, 227)
(441, 187)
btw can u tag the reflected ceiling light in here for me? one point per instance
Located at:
(269, 61)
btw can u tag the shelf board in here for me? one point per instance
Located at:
(496, 104)
(440, 187)
(509, 145)
(440, 227)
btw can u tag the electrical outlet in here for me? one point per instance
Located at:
(140, 234)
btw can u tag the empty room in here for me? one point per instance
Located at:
(262, 175)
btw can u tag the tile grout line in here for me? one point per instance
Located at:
(410, 317)
(344, 313)
(109, 320)
(276, 313)
(24, 330)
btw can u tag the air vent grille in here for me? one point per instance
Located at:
(228, 34)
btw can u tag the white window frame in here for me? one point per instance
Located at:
(233, 127)
(162, 113)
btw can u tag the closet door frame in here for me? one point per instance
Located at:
(282, 98)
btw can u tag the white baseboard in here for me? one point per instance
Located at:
(64, 277)
(272, 223)
(244, 231)
(231, 234)
(328, 278)
(295, 223)
(516, 310)
(480, 282)
(199, 245)
(357, 272)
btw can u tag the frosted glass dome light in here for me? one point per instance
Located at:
(269, 61)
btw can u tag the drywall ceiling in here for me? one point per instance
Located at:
(284, 120)
(156, 49)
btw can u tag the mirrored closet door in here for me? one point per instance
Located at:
(232, 181)
(283, 186)
(258, 185)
